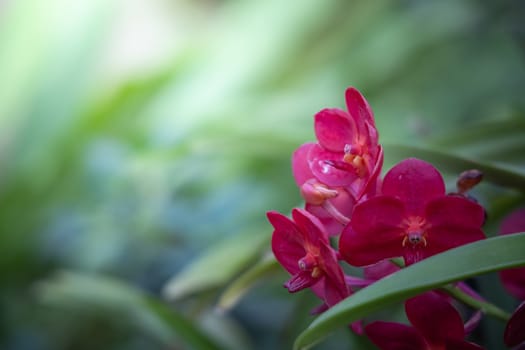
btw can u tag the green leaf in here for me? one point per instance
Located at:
(236, 290)
(454, 265)
(216, 266)
(494, 173)
(91, 293)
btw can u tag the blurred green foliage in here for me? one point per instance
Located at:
(138, 136)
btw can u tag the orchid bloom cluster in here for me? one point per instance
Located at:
(354, 215)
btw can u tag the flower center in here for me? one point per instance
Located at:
(415, 233)
(309, 263)
(354, 157)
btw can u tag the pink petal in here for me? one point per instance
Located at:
(310, 226)
(358, 107)
(374, 233)
(515, 329)
(395, 336)
(334, 129)
(415, 182)
(514, 281)
(332, 226)
(328, 174)
(443, 238)
(300, 281)
(448, 211)
(435, 318)
(514, 222)
(379, 270)
(344, 203)
(300, 166)
(335, 285)
(287, 242)
(370, 188)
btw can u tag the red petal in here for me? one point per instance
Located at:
(310, 226)
(370, 188)
(415, 182)
(287, 242)
(300, 167)
(448, 211)
(514, 281)
(358, 107)
(435, 318)
(514, 222)
(515, 329)
(334, 129)
(335, 285)
(326, 173)
(300, 281)
(395, 336)
(380, 270)
(374, 233)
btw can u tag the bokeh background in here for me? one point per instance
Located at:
(142, 142)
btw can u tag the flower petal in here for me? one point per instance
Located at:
(359, 108)
(300, 281)
(344, 203)
(371, 187)
(514, 281)
(335, 285)
(334, 129)
(287, 241)
(447, 211)
(415, 182)
(515, 329)
(320, 164)
(300, 166)
(310, 226)
(394, 336)
(435, 318)
(514, 222)
(374, 233)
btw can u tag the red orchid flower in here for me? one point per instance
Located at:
(514, 279)
(413, 218)
(515, 329)
(436, 325)
(347, 153)
(301, 246)
(331, 205)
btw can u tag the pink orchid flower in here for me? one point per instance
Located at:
(301, 246)
(413, 218)
(436, 325)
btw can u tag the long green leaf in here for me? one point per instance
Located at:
(267, 266)
(494, 173)
(454, 265)
(97, 293)
(216, 266)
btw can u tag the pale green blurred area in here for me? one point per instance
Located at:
(134, 135)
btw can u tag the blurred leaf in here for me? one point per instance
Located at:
(240, 286)
(95, 293)
(454, 265)
(216, 266)
(452, 163)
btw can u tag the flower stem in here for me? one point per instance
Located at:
(485, 306)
